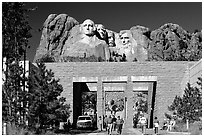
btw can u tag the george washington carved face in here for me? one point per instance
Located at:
(88, 27)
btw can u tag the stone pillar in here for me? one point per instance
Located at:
(100, 99)
(71, 102)
(129, 109)
(149, 103)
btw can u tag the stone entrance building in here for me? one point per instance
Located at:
(161, 81)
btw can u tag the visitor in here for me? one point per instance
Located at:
(135, 121)
(119, 124)
(156, 125)
(109, 121)
(165, 125)
(143, 122)
(113, 123)
(169, 125)
(100, 123)
(106, 122)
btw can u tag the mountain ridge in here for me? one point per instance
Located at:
(169, 42)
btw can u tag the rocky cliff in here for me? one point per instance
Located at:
(61, 34)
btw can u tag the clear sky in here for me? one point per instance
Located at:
(117, 16)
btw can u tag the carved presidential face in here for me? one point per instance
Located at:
(88, 27)
(125, 39)
(111, 39)
(101, 30)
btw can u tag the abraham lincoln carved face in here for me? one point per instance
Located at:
(125, 39)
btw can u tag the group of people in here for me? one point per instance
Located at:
(111, 123)
(141, 120)
(168, 124)
(122, 51)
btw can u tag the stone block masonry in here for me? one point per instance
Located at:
(167, 75)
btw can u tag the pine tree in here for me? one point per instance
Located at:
(15, 35)
(46, 107)
(15, 29)
(189, 106)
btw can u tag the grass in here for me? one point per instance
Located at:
(196, 128)
(13, 130)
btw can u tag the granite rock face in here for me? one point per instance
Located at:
(140, 34)
(61, 36)
(171, 42)
(56, 30)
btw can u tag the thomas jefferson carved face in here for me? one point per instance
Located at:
(101, 30)
(125, 39)
(88, 27)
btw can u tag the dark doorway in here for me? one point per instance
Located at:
(84, 101)
(143, 102)
(153, 104)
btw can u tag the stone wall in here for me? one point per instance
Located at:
(168, 83)
(195, 72)
(191, 75)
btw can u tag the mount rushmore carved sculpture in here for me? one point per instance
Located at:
(65, 40)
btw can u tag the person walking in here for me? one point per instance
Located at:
(100, 123)
(135, 121)
(156, 126)
(143, 122)
(119, 124)
(106, 122)
(109, 121)
(169, 125)
(113, 123)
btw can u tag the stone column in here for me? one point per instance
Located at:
(129, 109)
(100, 99)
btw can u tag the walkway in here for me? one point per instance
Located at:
(126, 131)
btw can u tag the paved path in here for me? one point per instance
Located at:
(126, 131)
(137, 131)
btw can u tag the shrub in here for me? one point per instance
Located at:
(196, 128)
(13, 130)
(179, 127)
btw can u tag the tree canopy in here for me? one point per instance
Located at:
(189, 106)
(15, 29)
(46, 107)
